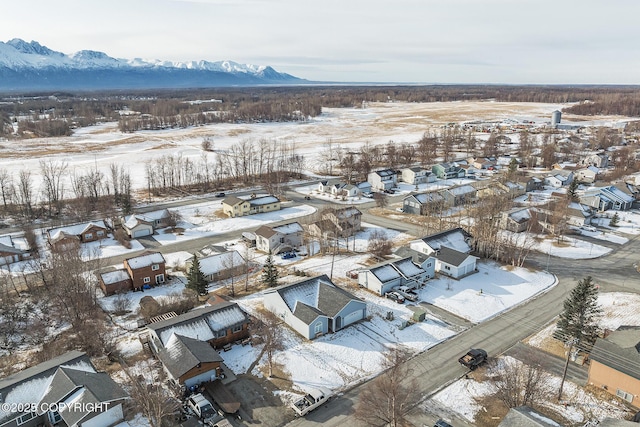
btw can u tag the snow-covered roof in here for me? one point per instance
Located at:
(114, 276)
(396, 269)
(432, 196)
(347, 212)
(520, 215)
(219, 262)
(146, 260)
(290, 228)
(455, 238)
(264, 200)
(463, 189)
(74, 230)
(385, 273)
(201, 323)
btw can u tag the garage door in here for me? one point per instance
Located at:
(353, 317)
(141, 233)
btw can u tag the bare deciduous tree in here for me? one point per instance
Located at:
(268, 330)
(388, 399)
(521, 383)
(379, 244)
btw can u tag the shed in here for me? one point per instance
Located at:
(419, 314)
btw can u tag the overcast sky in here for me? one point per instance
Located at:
(420, 41)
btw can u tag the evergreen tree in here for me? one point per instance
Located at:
(579, 319)
(270, 272)
(195, 278)
(613, 222)
(571, 191)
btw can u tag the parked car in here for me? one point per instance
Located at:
(307, 197)
(589, 228)
(395, 297)
(202, 408)
(221, 194)
(407, 292)
(311, 401)
(367, 195)
(288, 255)
(442, 423)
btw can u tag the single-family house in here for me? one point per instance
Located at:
(587, 175)
(315, 306)
(606, 198)
(10, 252)
(460, 195)
(383, 277)
(579, 214)
(72, 235)
(220, 266)
(278, 239)
(189, 361)
(113, 282)
(416, 175)
(615, 364)
(512, 189)
(559, 178)
(423, 204)
(516, 220)
(531, 183)
(54, 387)
(454, 263)
(599, 160)
(219, 325)
(234, 206)
(364, 187)
(455, 238)
(330, 186)
(144, 224)
(382, 180)
(483, 163)
(448, 171)
(146, 269)
(346, 221)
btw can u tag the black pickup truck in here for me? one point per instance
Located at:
(474, 358)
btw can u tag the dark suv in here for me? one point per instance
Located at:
(442, 423)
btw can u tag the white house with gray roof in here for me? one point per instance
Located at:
(59, 383)
(382, 278)
(382, 180)
(278, 239)
(455, 238)
(314, 307)
(454, 263)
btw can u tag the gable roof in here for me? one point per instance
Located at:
(79, 386)
(268, 232)
(29, 385)
(620, 350)
(451, 256)
(181, 354)
(455, 238)
(201, 323)
(232, 200)
(145, 259)
(114, 276)
(74, 230)
(397, 269)
(219, 262)
(314, 297)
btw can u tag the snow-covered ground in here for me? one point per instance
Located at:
(463, 396)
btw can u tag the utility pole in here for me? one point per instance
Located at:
(572, 341)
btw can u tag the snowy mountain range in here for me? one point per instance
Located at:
(31, 66)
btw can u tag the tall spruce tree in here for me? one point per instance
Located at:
(615, 220)
(270, 272)
(579, 319)
(195, 278)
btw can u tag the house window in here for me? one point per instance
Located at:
(24, 418)
(318, 328)
(446, 267)
(88, 236)
(221, 334)
(155, 267)
(147, 280)
(624, 395)
(282, 240)
(236, 329)
(100, 233)
(159, 278)
(428, 265)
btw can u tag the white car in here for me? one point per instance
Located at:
(589, 228)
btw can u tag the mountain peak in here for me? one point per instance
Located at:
(32, 47)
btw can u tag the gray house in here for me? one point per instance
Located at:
(454, 263)
(314, 307)
(448, 171)
(57, 383)
(382, 278)
(423, 204)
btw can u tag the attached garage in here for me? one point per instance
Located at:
(353, 317)
(142, 232)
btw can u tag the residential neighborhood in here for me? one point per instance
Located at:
(260, 289)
